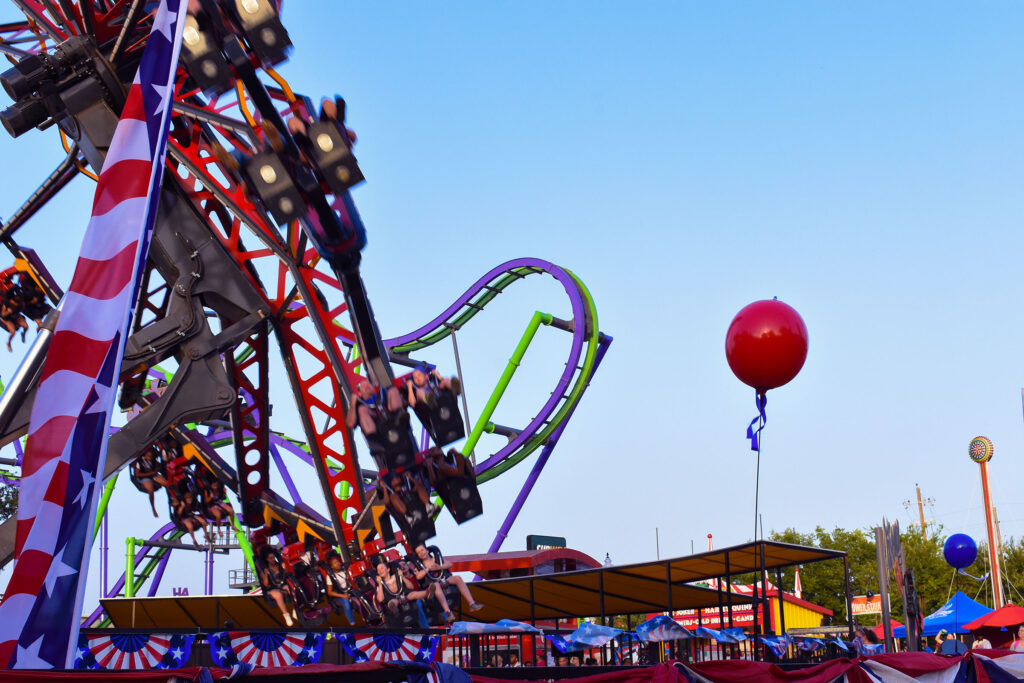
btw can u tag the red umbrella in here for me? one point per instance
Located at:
(880, 629)
(1008, 615)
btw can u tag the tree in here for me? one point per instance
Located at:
(822, 582)
(8, 502)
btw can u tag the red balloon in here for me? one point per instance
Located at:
(766, 344)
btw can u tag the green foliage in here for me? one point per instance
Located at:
(822, 582)
(8, 502)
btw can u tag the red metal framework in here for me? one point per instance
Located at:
(250, 424)
(310, 315)
(308, 302)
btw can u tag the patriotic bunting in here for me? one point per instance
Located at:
(263, 648)
(390, 647)
(133, 651)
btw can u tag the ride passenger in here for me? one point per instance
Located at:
(370, 406)
(339, 589)
(442, 466)
(395, 485)
(10, 314)
(148, 471)
(392, 588)
(186, 509)
(274, 582)
(419, 591)
(425, 382)
(34, 300)
(438, 572)
(215, 504)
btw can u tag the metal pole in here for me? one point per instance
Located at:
(462, 382)
(993, 553)
(728, 587)
(849, 596)
(920, 512)
(129, 568)
(782, 604)
(753, 598)
(209, 570)
(517, 357)
(20, 383)
(542, 459)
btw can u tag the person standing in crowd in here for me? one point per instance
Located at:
(1018, 642)
(981, 643)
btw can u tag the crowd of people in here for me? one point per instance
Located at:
(308, 581)
(511, 660)
(195, 496)
(22, 299)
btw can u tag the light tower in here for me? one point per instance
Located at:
(981, 450)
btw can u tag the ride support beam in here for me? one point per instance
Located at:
(250, 423)
(542, 459)
(536, 321)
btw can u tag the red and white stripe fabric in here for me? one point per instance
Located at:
(109, 656)
(285, 654)
(67, 437)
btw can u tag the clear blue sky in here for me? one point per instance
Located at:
(862, 162)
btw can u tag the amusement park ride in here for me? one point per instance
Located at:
(257, 244)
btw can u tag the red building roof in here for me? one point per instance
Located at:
(525, 561)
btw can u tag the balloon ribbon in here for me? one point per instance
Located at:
(755, 434)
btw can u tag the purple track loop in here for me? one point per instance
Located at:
(579, 334)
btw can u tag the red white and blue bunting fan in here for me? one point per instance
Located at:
(264, 648)
(390, 647)
(133, 651)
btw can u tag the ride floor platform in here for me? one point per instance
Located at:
(648, 587)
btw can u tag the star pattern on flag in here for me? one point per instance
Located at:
(57, 570)
(28, 657)
(83, 494)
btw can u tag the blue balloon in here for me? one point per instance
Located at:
(960, 551)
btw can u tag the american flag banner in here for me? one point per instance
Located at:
(265, 648)
(660, 629)
(67, 437)
(133, 651)
(390, 647)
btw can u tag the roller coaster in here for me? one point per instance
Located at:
(257, 245)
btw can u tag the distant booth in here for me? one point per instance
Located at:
(796, 613)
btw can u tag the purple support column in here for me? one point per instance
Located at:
(285, 477)
(159, 572)
(209, 570)
(542, 460)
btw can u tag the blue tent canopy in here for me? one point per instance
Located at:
(952, 616)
